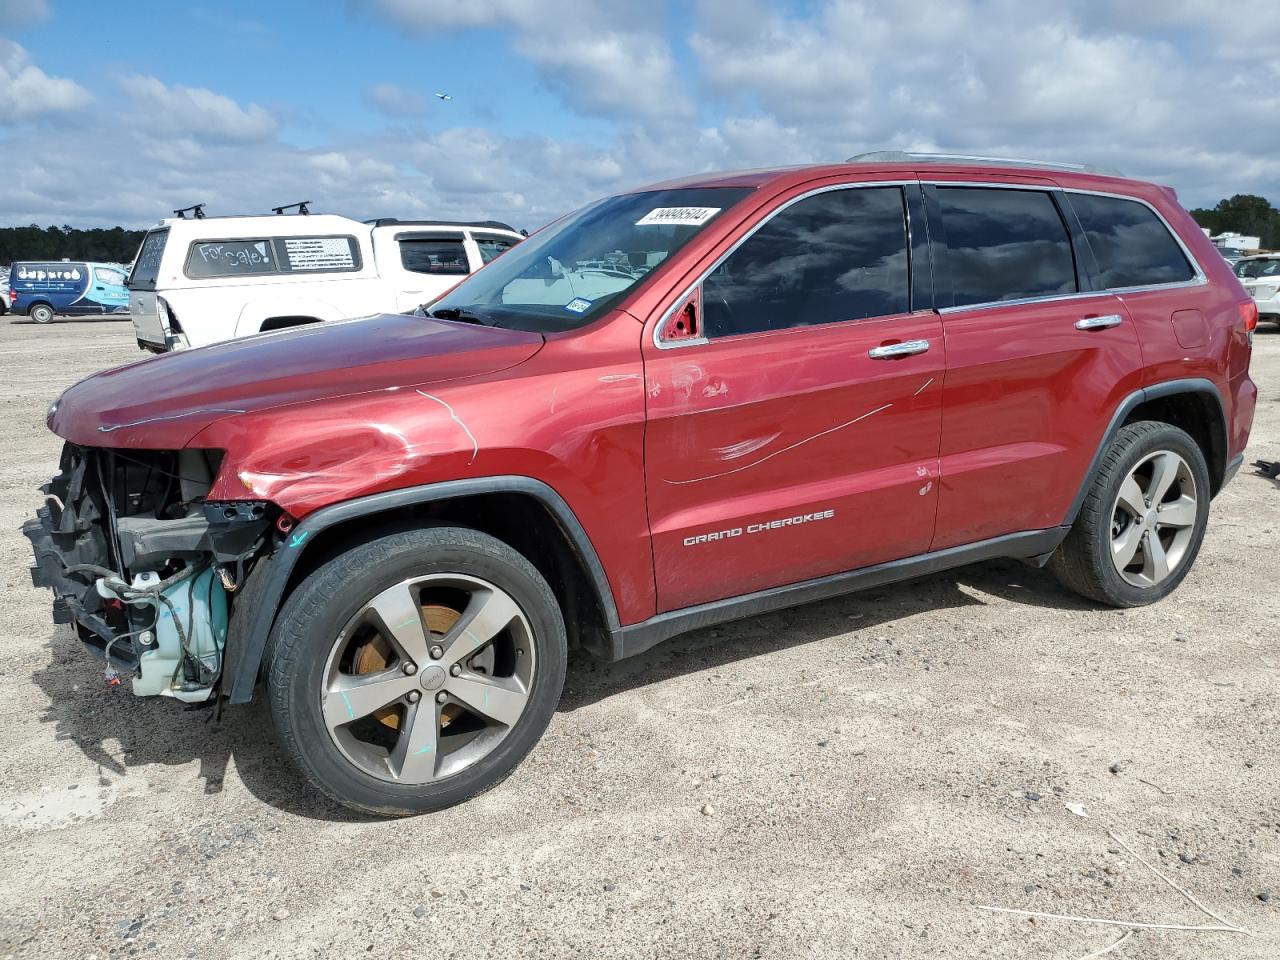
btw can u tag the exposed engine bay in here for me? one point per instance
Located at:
(143, 566)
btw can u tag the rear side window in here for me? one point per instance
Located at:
(434, 256)
(1005, 245)
(1131, 244)
(267, 256)
(491, 247)
(840, 255)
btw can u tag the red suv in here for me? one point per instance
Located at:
(695, 402)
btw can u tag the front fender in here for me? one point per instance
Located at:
(263, 592)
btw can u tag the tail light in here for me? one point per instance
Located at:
(1249, 314)
(13, 296)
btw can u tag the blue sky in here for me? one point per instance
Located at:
(115, 113)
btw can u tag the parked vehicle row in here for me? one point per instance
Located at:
(690, 403)
(199, 281)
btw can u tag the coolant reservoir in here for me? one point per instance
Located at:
(200, 604)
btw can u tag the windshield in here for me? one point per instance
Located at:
(1269, 267)
(574, 270)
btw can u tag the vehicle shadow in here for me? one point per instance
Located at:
(119, 732)
(857, 615)
(24, 321)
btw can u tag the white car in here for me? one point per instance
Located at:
(1260, 277)
(199, 281)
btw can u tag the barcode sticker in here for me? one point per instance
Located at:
(677, 216)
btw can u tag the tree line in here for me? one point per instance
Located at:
(101, 244)
(1246, 214)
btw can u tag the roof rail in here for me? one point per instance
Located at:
(394, 221)
(903, 156)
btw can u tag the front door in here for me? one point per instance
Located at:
(793, 433)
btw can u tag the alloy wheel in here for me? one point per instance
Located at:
(1153, 519)
(428, 678)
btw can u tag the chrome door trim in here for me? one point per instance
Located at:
(1104, 322)
(893, 351)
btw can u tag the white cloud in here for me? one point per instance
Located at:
(602, 59)
(18, 13)
(28, 92)
(395, 101)
(196, 111)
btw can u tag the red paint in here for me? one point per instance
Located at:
(989, 432)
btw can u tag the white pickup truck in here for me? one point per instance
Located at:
(198, 281)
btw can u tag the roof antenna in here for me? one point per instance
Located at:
(196, 211)
(302, 208)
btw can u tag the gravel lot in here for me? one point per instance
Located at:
(848, 779)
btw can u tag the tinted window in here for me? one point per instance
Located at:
(1132, 246)
(1258, 268)
(231, 258)
(491, 247)
(1005, 245)
(265, 256)
(147, 264)
(434, 256)
(835, 256)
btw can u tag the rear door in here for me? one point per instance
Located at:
(796, 435)
(1036, 362)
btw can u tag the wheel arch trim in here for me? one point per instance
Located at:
(1155, 391)
(244, 657)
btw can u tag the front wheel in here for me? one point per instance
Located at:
(1143, 519)
(41, 313)
(416, 670)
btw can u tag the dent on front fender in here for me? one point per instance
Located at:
(335, 451)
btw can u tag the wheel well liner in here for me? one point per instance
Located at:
(573, 570)
(1193, 404)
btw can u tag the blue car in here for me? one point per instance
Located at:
(42, 290)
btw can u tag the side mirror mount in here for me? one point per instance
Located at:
(685, 321)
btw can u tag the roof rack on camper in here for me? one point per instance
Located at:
(196, 211)
(301, 205)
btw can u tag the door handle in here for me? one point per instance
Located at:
(892, 351)
(1099, 323)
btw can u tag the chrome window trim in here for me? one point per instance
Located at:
(1198, 280)
(831, 188)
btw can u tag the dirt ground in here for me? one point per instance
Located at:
(849, 779)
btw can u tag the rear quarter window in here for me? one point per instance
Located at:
(1131, 244)
(434, 255)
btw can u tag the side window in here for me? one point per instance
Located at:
(1005, 245)
(434, 256)
(491, 247)
(840, 255)
(1131, 244)
(272, 255)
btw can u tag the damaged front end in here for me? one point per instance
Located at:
(143, 566)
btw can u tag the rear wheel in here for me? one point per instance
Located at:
(1143, 519)
(41, 313)
(414, 671)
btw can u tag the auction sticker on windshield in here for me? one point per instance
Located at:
(677, 216)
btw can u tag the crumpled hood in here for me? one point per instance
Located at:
(164, 401)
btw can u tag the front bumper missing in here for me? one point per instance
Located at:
(91, 573)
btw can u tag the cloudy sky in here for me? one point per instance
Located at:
(118, 112)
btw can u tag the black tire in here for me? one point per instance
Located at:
(324, 603)
(41, 313)
(1083, 562)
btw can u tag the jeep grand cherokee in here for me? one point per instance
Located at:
(678, 406)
